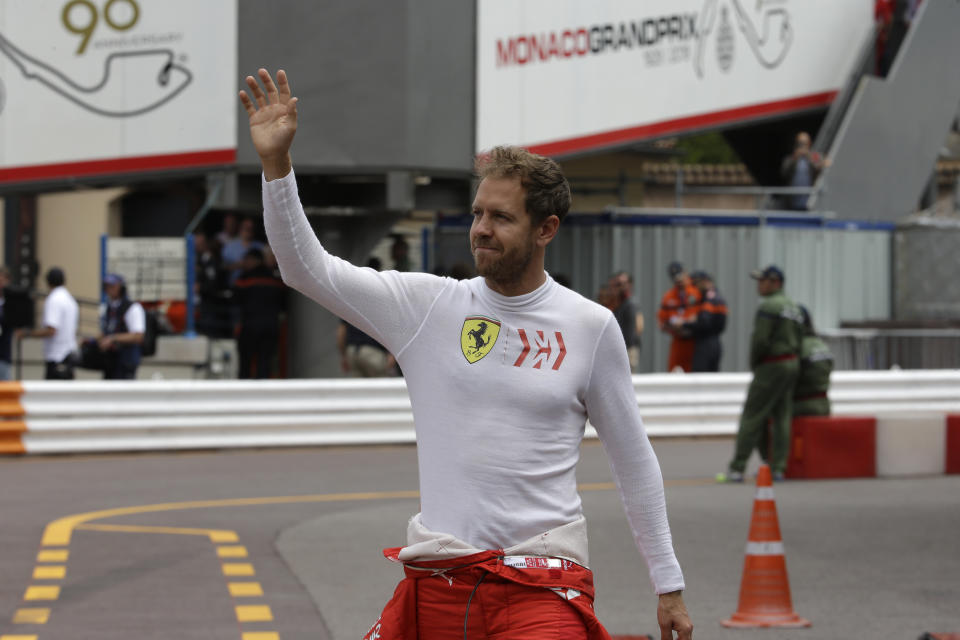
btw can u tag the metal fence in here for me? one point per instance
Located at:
(894, 348)
(841, 272)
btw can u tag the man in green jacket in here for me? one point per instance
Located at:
(774, 347)
(816, 364)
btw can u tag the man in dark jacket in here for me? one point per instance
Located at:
(213, 310)
(628, 316)
(122, 327)
(710, 322)
(260, 299)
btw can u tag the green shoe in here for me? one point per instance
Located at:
(730, 476)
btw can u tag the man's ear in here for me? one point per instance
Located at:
(547, 230)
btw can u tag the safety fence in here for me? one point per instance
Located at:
(893, 348)
(98, 416)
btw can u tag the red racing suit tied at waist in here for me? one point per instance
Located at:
(567, 579)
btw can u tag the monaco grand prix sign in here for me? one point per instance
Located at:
(562, 76)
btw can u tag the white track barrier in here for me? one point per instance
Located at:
(78, 416)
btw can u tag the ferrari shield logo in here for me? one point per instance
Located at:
(478, 336)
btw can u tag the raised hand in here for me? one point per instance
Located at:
(273, 121)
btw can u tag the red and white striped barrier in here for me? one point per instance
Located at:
(867, 446)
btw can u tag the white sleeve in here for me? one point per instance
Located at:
(52, 313)
(135, 318)
(612, 408)
(387, 305)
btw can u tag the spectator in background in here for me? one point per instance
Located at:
(897, 19)
(235, 251)
(628, 316)
(709, 323)
(459, 271)
(816, 365)
(260, 299)
(562, 279)
(16, 310)
(59, 331)
(122, 326)
(883, 17)
(210, 288)
(678, 307)
(6, 327)
(800, 169)
(400, 253)
(360, 354)
(606, 297)
(228, 233)
(774, 345)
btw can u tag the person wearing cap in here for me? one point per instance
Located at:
(678, 307)
(774, 349)
(707, 326)
(123, 323)
(816, 365)
(260, 299)
(59, 331)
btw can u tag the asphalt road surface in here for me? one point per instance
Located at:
(285, 544)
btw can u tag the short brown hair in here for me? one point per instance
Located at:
(547, 190)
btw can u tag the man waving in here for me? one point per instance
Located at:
(499, 420)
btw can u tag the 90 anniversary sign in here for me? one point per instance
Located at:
(93, 87)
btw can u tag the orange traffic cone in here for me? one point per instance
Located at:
(764, 589)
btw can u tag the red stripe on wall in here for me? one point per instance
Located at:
(118, 165)
(670, 127)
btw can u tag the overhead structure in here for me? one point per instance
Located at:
(891, 134)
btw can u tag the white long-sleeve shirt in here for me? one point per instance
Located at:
(501, 388)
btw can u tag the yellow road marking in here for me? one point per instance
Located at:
(41, 593)
(215, 535)
(49, 572)
(254, 613)
(58, 532)
(596, 486)
(245, 589)
(679, 482)
(31, 616)
(53, 555)
(238, 569)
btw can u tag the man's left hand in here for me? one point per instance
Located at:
(672, 616)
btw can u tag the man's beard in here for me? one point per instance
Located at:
(508, 268)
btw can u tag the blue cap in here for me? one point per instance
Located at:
(113, 278)
(700, 275)
(772, 272)
(674, 269)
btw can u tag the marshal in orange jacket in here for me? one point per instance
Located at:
(678, 306)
